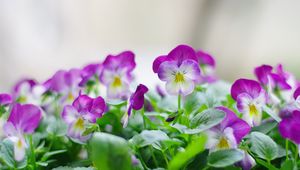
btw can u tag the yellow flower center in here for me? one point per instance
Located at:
(22, 99)
(179, 77)
(70, 97)
(253, 110)
(19, 143)
(117, 82)
(223, 143)
(79, 124)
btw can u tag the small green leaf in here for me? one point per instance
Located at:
(265, 164)
(263, 146)
(56, 127)
(92, 128)
(49, 154)
(225, 157)
(287, 165)
(195, 147)
(205, 120)
(148, 137)
(109, 152)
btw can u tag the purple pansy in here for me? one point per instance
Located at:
(247, 162)
(250, 97)
(117, 74)
(90, 71)
(229, 133)
(136, 102)
(289, 127)
(262, 74)
(207, 65)
(5, 99)
(28, 91)
(179, 69)
(65, 83)
(23, 119)
(297, 97)
(82, 112)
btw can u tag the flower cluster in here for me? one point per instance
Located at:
(99, 117)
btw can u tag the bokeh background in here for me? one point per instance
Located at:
(38, 37)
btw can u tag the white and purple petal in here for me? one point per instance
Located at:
(250, 87)
(190, 69)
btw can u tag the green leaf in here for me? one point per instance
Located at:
(148, 137)
(263, 146)
(49, 154)
(7, 155)
(205, 120)
(56, 127)
(265, 127)
(92, 128)
(70, 168)
(195, 147)
(109, 152)
(225, 157)
(265, 164)
(287, 165)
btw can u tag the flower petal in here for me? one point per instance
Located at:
(185, 88)
(262, 72)
(96, 110)
(69, 114)
(205, 58)
(167, 70)
(137, 98)
(181, 53)
(250, 87)
(5, 99)
(158, 61)
(83, 104)
(190, 69)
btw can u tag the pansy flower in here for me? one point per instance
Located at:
(136, 102)
(23, 119)
(179, 69)
(207, 64)
(289, 127)
(117, 74)
(65, 83)
(229, 133)
(250, 97)
(84, 111)
(89, 72)
(28, 91)
(5, 99)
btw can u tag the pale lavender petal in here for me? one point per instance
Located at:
(250, 87)
(184, 88)
(243, 101)
(5, 99)
(9, 129)
(167, 70)
(69, 114)
(190, 69)
(76, 133)
(158, 61)
(30, 82)
(262, 72)
(124, 60)
(247, 162)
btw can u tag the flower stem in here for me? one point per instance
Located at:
(296, 154)
(286, 149)
(32, 152)
(153, 156)
(179, 103)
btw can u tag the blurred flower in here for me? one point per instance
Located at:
(116, 74)
(82, 112)
(250, 98)
(65, 83)
(89, 72)
(207, 65)
(179, 69)
(28, 91)
(229, 133)
(247, 162)
(23, 119)
(5, 99)
(136, 102)
(289, 127)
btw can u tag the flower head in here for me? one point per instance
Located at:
(229, 133)
(82, 112)
(207, 64)
(23, 119)
(5, 99)
(136, 102)
(289, 127)
(250, 97)
(90, 71)
(179, 69)
(117, 74)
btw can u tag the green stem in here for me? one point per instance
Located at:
(179, 103)
(32, 152)
(286, 149)
(296, 154)
(142, 161)
(143, 114)
(153, 156)
(165, 158)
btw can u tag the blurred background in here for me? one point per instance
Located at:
(38, 37)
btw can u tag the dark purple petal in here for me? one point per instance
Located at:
(262, 72)
(239, 126)
(89, 71)
(83, 104)
(289, 127)
(25, 117)
(97, 109)
(280, 81)
(124, 60)
(158, 61)
(250, 87)
(205, 58)
(181, 53)
(5, 99)
(296, 93)
(137, 98)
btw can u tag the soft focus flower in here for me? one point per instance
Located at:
(65, 83)
(207, 65)
(117, 74)
(89, 72)
(136, 102)
(247, 162)
(23, 119)
(262, 74)
(289, 127)
(5, 99)
(82, 112)
(179, 69)
(250, 97)
(28, 91)
(229, 133)
(297, 97)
